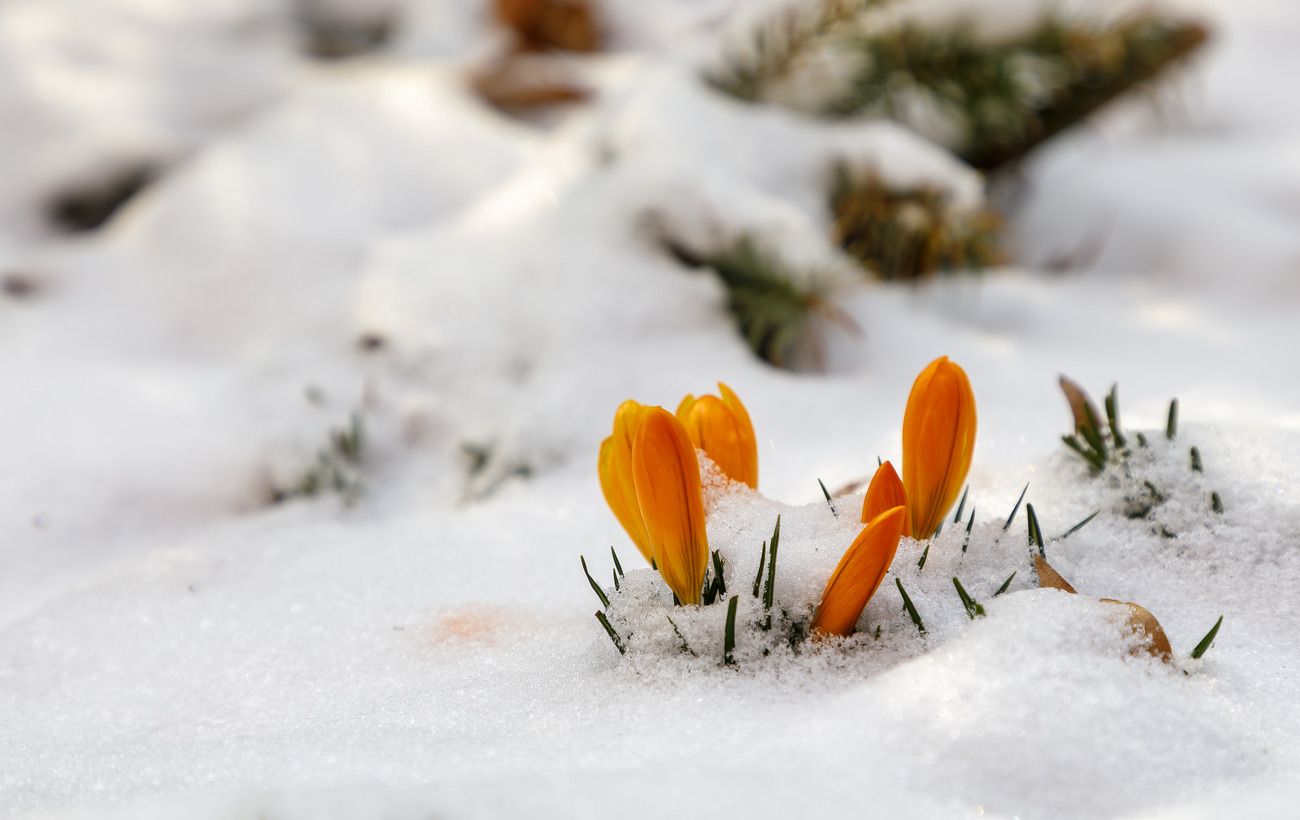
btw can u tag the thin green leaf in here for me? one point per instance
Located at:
(618, 566)
(1112, 415)
(1171, 426)
(595, 587)
(961, 506)
(729, 637)
(973, 607)
(1208, 640)
(1016, 508)
(769, 591)
(1077, 527)
(826, 493)
(758, 579)
(1035, 532)
(613, 636)
(911, 609)
(686, 647)
(1005, 584)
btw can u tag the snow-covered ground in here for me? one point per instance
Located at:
(364, 237)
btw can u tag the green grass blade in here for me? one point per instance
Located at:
(1079, 526)
(961, 506)
(1016, 508)
(826, 493)
(1035, 532)
(1005, 584)
(613, 636)
(1208, 640)
(729, 637)
(911, 609)
(973, 607)
(686, 647)
(595, 587)
(1112, 415)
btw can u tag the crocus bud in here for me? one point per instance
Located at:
(938, 440)
(615, 468)
(666, 476)
(884, 493)
(859, 574)
(721, 428)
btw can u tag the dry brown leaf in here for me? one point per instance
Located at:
(517, 83)
(1141, 620)
(541, 25)
(1139, 617)
(1049, 578)
(1080, 404)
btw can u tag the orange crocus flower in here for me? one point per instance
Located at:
(615, 466)
(884, 493)
(859, 574)
(721, 428)
(666, 477)
(938, 440)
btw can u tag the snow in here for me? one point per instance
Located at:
(172, 643)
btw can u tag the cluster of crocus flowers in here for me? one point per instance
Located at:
(938, 441)
(650, 476)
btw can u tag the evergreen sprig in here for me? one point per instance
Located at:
(908, 233)
(774, 306)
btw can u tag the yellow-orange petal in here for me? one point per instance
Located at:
(615, 467)
(666, 475)
(859, 574)
(938, 441)
(721, 427)
(884, 493)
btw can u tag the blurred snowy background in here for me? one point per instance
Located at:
(313, 315)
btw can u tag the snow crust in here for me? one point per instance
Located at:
(174, 644)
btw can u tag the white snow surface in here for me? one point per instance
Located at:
(174, 644)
